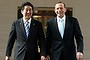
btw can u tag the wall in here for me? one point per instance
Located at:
(8, 13)
(81, 11)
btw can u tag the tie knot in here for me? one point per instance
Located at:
(27, 22)
(61, 20)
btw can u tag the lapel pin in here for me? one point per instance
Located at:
(20, 23)
(34, 24)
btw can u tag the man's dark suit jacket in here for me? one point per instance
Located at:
(24, 46)
(55, 44)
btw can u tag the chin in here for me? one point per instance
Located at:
(28, 17)
(58, 15)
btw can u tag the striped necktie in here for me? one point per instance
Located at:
(27, 28)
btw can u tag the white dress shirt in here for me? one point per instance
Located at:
(28, 21)
(61, 25)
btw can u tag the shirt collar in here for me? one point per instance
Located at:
(28, 20)
(64, 18)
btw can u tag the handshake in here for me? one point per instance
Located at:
(45, 58)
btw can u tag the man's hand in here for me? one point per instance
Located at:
(7, 58)
(79, 56)
(43, 58)
(48, 57)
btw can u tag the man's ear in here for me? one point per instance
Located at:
(54, 11)
(65, 9)
(21, 11)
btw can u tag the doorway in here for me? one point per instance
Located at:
(43, 14)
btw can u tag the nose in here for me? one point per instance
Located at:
(28, 11)
(59, 9)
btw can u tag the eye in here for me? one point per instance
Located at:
(57, 8)
(61, 8)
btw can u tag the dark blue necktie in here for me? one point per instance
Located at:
(27, 28)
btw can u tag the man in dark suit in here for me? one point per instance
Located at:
(60, 44)
(25, 35)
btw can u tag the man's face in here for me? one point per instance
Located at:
(60, 10)
(27, 12)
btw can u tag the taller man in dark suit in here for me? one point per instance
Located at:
(60, 34)
(25, 32)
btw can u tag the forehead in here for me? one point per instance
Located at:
(59, 5)
(29, 7)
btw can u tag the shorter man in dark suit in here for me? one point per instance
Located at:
(61, 31)
(25, 32)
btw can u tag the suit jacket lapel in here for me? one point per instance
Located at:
(56, 24)
(32, 25)
(23, 28)
(56, 27)
(66, 26)
(30, 29)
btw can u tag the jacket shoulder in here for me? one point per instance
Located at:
(17, 20)
(36, 21)
(51, 19)
(72, 18)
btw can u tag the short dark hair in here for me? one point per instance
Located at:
(26, 4)
(63, 3)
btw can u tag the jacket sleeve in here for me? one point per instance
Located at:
(41, 40)
(48, 39)
(78, 37)
(11, 40)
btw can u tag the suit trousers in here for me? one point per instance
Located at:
(27, 57)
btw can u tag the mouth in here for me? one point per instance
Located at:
(28, 14)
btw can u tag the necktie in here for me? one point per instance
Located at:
(27, 28)
(61, 27)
